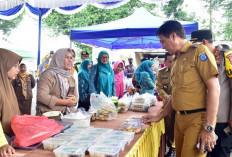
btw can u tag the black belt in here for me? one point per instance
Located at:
(190, 111)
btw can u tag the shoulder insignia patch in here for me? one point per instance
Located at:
(229, 56)
(203, 57)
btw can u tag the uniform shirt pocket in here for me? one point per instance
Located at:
(188, 72)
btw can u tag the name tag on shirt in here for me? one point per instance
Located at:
(164, 78)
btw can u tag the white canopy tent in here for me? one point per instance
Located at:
(8, 4)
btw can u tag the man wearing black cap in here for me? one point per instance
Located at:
(84, 55)
(224, 116)
(130, 70)
(195, 92)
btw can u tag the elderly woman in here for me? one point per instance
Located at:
(23, 85)
(118, 76)
(57, 89)
(145, 77)
(101, 76)
(83, 84)
(9, 68)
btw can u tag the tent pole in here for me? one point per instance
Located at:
(70, 44)
(39, 38)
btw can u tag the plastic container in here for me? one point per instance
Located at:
(112, 143)
(75, 131)
(127, 139)
(94, 134)
(70, 151)
(78, 122)
(103, 151)
(53, 143)
(81, 144)
(123, 133)
(102, 130)
(67, 136)
(88, 138)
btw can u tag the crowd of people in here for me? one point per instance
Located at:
(194, 108)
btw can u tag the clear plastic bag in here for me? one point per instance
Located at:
(104, 106)
(140, 103)
(124, 103)
(132, 125)
(152, 100)
(79, 118)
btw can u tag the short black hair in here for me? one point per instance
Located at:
(22, 64)
(166, 55)
(171, 26)
(199, 35)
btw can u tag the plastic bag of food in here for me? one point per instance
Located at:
(132, 125)
(140, 103)
(124, 103)
(104, 106)
(152, 100)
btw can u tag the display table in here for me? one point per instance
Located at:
(148, 140)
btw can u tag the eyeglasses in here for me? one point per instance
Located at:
(104, 57)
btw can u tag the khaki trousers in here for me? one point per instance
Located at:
(187, 129)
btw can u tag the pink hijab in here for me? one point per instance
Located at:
(118, 76)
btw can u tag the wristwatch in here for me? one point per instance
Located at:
(209, 128)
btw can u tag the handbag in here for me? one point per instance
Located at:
(85, 103)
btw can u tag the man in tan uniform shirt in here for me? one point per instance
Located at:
(224, 116)
(195, 92)
(164, 89)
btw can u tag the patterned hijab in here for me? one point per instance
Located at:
(8, 101)
(57, 69)
(106, 76)
(84, 72)
(143, 69)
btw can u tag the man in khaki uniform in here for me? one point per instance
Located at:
(164, 89)
(224, 116)
(195, 92)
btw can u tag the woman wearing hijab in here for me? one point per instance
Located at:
(83, 84)
(101, 76)
(9, 68)
(23, 85)
(57, 89)
(145, 77)
(118, 76)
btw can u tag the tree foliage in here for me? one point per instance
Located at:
(7, 25)
(174, 9)
(62, 24)
(227, 28)
(214, 6)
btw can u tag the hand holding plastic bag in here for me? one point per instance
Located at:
(30, 130)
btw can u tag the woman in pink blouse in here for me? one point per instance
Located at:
(118, 76)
